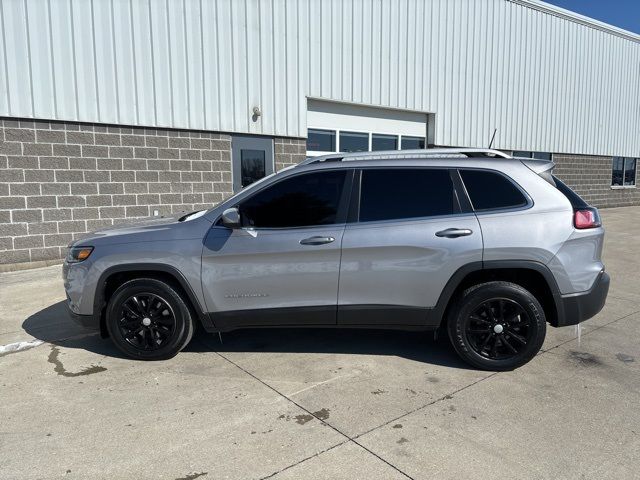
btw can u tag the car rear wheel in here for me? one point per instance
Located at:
(497, 326)
(148, 319)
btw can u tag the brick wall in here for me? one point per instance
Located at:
(61, 179)
(590, 176)
(289, 151)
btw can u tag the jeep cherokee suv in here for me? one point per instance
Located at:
(490, 248)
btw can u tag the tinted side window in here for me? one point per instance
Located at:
(489, 190)
(303, 200)
(389, 194)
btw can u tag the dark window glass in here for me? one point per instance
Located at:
(617, 171)
(384, 142)
(304, 200)
(489, 190)
(537, 155)
(389, 194)
(354, 142)
(630, 171)
(521, 154)
(252, 166)
(321, 140)
(412, 143)
(542, 155)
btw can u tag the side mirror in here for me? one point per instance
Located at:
(231, 218)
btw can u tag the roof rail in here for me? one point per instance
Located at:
(422, 153)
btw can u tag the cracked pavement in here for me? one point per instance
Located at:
(315, 404)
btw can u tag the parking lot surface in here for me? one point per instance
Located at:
(312, 404)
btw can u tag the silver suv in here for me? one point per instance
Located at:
(486, 246)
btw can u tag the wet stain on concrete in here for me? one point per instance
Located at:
(585, 359)
(302, 419)
(192, 476)
(624, 358)
(397, 425)
(402, 440)
(378, 392)
(60, 370)
(322, 414)
(433, 379)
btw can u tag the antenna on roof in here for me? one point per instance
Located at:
(493, 137)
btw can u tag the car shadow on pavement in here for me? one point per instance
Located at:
(412, 345)
(53, 325)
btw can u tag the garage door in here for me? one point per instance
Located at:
(338, 127)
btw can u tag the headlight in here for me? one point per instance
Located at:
(78, 254)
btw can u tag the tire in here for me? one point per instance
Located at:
(497, 313)
(157, 312)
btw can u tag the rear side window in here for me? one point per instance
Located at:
(393, 194)
(490, 190)
(304, 200)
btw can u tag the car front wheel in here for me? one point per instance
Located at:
(147, 319)
(497, 326)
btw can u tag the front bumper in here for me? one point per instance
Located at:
(89, 322)
(580, 307)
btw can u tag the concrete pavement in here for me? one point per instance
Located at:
(301, 403)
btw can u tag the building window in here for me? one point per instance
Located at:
(354, 142)
(412, 143)
(321, 140)
(384, 142)
(623, 172)
(536, 155)
(252, 166)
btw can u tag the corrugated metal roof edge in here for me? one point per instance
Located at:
(576, 17)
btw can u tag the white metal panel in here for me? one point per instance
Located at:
(84, 62)
(62, 47)
(340, 116)
(17, 64)
(4, 86)
(547, 79)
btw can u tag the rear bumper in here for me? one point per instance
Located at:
(90, 322)
(580, 307)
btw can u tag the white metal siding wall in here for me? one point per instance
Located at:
(196, 64)
(545, 82)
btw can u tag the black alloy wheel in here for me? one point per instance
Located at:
(147, 321)
(498, 329)
(496, 325)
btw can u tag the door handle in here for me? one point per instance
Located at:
(316, 240)
(454, 232)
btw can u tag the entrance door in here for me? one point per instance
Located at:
(252, 159)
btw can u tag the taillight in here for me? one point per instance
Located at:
(586, 218)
